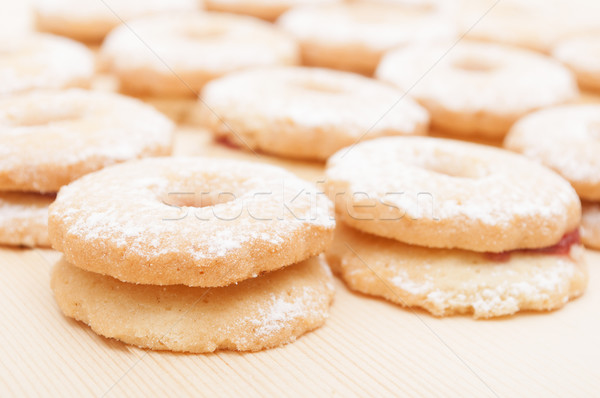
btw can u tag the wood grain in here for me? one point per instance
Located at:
(367, 347)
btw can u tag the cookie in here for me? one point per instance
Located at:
(354, 35)
(192, 221)
(582, 55)
(477, 89)
(42, 61)
(306, 113)
(91, 20)
(590, 224)
(50, 138)
(24, 219)
(264, 9)
(264, 312)
(533, 24)
(564, 139)
(450, 194)
(180, 52)
(449, 282)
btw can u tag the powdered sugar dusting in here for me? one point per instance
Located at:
(444, 180)
(130, 205)
(564, 138)
(40, 61)
(75, 130)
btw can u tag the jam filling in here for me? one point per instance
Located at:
(562, 248)
(225, 141)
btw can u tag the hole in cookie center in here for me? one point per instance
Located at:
(594, 129)
(474, 65)
(41, 119)
(459, 168)
(374, 13)
(205, 32)
(197, 199)
(321, 87)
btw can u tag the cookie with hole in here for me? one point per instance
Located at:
(305, 113)
(353, 36)
(180, 52)
(567, 140)
(474, 89)
(191, 221)
(454, 227)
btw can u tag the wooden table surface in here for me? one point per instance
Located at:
(367, 347)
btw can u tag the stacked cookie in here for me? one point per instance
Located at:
(565, 139)
(50, 138)
(454, 227)
(192, 254)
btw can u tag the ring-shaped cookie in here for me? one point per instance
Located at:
(178, 53)
(354, 35)
(49, 138)
(477, 89)
(307, 113)
(450, 194)
(91, 20)
(565, 139)
(24, 219)
(191, 221)
(582, 55)
(43, 61)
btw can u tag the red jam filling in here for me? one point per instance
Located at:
(225, 141)
(562, 248)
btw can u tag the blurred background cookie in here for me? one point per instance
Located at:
(306, 113)
(91, 20)
(582, 55)
(476, 89)
(43, 61)
(176, 54)
(353, 36)
(566, 139)
(264, 9)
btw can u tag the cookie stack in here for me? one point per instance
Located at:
(454, 227)
(49, 138)
(192, 254)
(565, 139)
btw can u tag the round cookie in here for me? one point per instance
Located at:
(192, 221)
(264, 9)
(91, 20)
(50, 138)
(24, 219)
(307, 113)
(590, 224)
(450, 194)
(354, 35)
(188, 50)
(565, 139)
(582, 55)
(42, 61)
(448, 282)
(265, 312)
(534, 24)
(477, 89)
